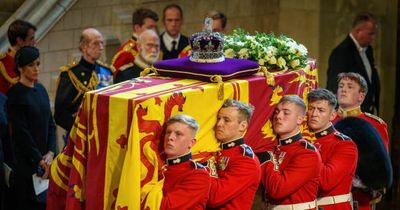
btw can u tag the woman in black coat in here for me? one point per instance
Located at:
(32, 128)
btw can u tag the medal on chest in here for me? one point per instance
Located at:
(223, 163)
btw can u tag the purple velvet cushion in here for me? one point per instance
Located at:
(184, 68)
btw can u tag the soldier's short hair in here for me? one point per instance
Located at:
(185, 119)
(362, 18)
(354, 77)
(175, 6)
(140, 14)
(322, 94)
(19, 28)
(217, 15)
(245, 110)
(296, 100)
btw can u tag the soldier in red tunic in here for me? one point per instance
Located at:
(20, 34)
(290, 171)
(142, 19)
(338, 153)
(238, 168)
(352, 89)
(187, 183)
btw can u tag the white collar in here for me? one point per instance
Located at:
(168, 39)
(359, 48)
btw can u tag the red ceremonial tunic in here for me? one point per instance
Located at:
(364, 197)
(339, 161)
(238, 177)
(186, 185)
(375, 121)
(292, 176)
(8, 75)
(125, 54)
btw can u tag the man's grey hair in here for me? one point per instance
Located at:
(147, 32)
(296, 100)
(244, 109)
(185, 119)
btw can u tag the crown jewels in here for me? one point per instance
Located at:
(207, 47)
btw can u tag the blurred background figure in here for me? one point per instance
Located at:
(149, 52)
(173, 43)
(355, 54)
(219, 21)
(142, 19)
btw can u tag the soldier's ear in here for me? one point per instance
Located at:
(243, 126)
(192, 143)
(333, 115)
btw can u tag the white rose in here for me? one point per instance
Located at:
(294, 63)
(229, 53)
(292, 50)
(281, 62)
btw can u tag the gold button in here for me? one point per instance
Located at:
(84, 82)
(83, 74)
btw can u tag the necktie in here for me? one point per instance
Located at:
(173, 45)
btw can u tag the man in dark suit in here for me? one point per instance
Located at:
(173, 44)
(355, 54)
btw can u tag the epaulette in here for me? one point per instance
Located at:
(129, 47)
(187, 50)
(308, 145)
(342, 136)
(247, 151)
(2, 55)
(197, 165)
(69, 66)
(374, 117)
(126, 66)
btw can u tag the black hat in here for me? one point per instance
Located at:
(26, 55)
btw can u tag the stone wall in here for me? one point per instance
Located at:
(336, 20)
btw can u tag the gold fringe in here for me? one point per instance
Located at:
(81, 88)
(147, 71)
(269, 77)
(218, 79)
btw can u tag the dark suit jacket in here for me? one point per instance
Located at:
(346, 58)
(183, 42)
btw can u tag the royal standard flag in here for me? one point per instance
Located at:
(113, 158)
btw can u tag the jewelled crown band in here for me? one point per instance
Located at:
(207, 47)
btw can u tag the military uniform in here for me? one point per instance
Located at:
(375, 121)
(186, 184)
(183, 49)
(339, 162)
(364, 197)
(238, 177)
(131, 70)
(8, 74)
(126, 54)
(75, 80)
(290, 174)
